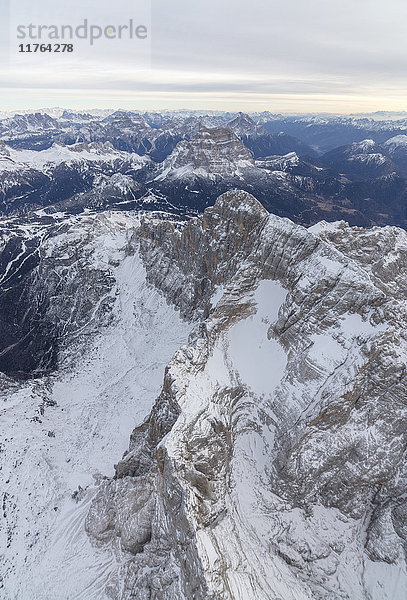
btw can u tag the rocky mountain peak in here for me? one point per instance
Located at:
(32, 122)
(364, 147)
(71, 115)
(206, 251)
(238, 207)
(126, 120)
(242, 123)
(215, 151)
(245, 127)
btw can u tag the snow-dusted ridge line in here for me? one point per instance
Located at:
(14, 160)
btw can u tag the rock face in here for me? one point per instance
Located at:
(272, 464)
(212, 152)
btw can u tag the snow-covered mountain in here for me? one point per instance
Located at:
(259, 370)
(37, 128)
(69, 178)
(360, 160)
(263, 470)
(16, 160)
(127, 131)
(396, 143)
(266, 132)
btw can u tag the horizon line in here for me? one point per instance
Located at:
(34, 109)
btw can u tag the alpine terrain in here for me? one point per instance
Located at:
(203, 356)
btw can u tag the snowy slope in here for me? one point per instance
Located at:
(67, 429)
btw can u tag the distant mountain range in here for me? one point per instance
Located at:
(181, 162)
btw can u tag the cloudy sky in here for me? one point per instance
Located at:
(294, 56)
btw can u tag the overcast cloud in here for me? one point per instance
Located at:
(296, 56)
